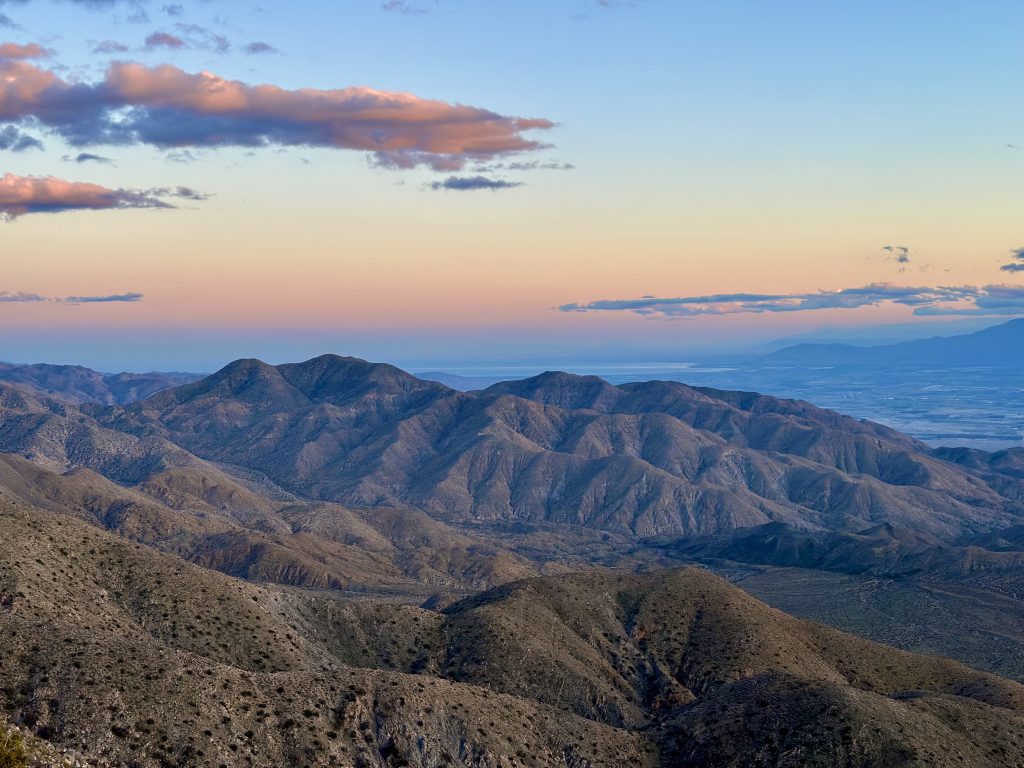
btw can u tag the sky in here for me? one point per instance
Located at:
(436, 182)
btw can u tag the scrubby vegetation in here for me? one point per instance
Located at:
(133, 657)
(12, 749)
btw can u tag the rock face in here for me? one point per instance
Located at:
(132, 657)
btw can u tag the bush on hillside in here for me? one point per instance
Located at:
(12, 750)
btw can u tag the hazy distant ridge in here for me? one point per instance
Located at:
(1001, 345)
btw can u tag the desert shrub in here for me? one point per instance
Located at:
(12, 750)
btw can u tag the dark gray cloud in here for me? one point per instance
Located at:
(109, 47)
(172, 109)
(1017, 263)
(6, 22)
(88, 157)
(471, 183)
(257, 47)
(931, 301)
(899, 253)
(163, 40)
(13, 140)
(175, 9)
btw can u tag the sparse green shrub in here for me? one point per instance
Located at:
(12, 750)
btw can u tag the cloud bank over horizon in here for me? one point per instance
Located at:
(990, 300)
(23, 297)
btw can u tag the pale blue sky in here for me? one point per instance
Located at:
(717, 147)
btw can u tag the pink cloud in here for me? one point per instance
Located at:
(172, 108)
(20, 195)
(29, 51)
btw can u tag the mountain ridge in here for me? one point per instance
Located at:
(421, 443)
(989, 346)
(80, 385)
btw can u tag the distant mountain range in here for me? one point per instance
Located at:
(348, 493)
(342, 474)
(999, 345)
(565, 453)
(461, 383)
(83, 385)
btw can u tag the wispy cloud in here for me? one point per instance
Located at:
(172, 109)
(931, 301)
(421, 7)
(13, 140)
(899, 253)
(201, 38)
(471, 183)
(1017, 263)
(109, 299)
(525, 165)
(183, 193)
(137, 12)
(407, 7)
(21, 297)
(257, 47)
(109, 47)
(21, 195)
(163, 40)
(97, 4)
(88, 157)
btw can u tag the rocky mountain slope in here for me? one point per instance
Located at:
(355, 479)
(338, 473)
(658, 458)
(113, 652)
(209, 518)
